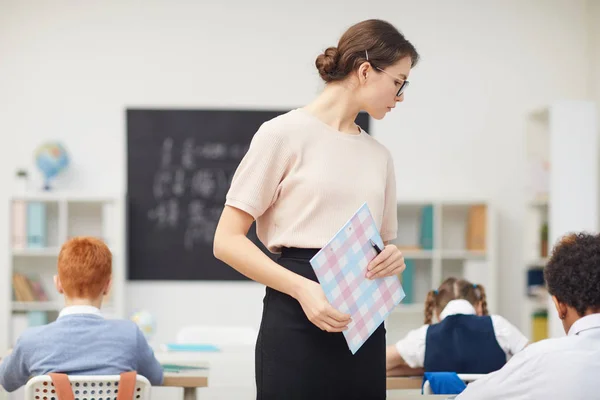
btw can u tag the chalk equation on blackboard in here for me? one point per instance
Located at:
(190, 186)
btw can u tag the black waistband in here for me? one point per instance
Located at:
(295, 252)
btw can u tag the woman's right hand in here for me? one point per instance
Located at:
(318, 310)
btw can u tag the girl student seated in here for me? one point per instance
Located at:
(464, 340)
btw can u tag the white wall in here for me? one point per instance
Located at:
(69, 69)
(594, 35)
(574, 178)
(594, 48)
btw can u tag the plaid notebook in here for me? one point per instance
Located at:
(341, 267)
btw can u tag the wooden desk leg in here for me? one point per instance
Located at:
(189, 393)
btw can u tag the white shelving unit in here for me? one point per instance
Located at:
(536, 216)
(36, 306)
(67, 215)
(565, 196)
(449, 255)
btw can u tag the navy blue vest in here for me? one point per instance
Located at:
(463, 344)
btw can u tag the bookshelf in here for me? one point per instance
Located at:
(534, 306)
(562, 152)
(440, 238)
(56, 217)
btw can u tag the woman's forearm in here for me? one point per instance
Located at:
(240, 253)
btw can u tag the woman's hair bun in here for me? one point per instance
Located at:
(327, 64)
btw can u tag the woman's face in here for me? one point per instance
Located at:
(379, 93)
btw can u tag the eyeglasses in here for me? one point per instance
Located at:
(403, 86)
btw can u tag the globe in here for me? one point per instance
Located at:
(51, 158)
(145, 321)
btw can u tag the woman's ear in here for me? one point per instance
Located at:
(363, 71)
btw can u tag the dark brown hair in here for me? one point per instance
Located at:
(384, 44)
(573, 272)
(454, 289)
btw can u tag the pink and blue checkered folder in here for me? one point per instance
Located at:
(341, 268)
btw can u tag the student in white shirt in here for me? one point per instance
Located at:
(566, 367)
(465, 340)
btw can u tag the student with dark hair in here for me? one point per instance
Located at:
(566, 367)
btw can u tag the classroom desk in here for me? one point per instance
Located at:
(408, 388)
(189, 380)
(231, 370)
(236, 364)
(404, 382)
(412, 396)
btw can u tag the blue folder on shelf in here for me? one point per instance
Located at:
(37, 318)
(199, 347)
(426, 232)
(408, 281)
(36, 225)
(180, 368)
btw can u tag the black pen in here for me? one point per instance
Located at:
(375, 246)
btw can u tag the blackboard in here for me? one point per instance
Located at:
(179, 168)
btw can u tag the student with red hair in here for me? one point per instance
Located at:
(81, 341)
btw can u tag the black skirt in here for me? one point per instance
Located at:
(297, 360)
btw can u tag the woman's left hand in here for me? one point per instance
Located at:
(389, 262)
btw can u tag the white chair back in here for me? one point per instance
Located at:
(85, 387)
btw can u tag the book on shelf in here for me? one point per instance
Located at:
(19, 225)
(37, 318)
(407, 279)
(536, 285)
(539, 325)
(476, 228)
(27, 289)
(36, 225)
(426, 228)
(38, 290)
